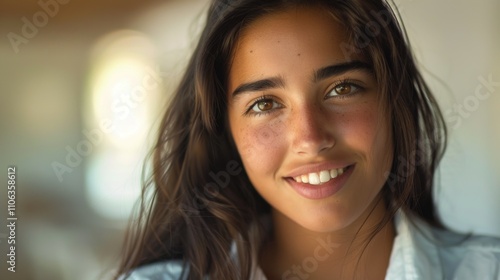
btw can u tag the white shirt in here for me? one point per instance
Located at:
(417, 253)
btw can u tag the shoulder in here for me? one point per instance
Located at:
(164, 270)
(428, 253)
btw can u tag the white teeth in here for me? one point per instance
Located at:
(334, 173)
(305, 178)
(314, 179)
(324, 176)
(319, 178)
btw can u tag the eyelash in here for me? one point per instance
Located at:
(260, 99)
(347, 82)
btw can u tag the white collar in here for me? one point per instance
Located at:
(414, 255)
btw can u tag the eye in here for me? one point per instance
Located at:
(263, 105)
(343, 89)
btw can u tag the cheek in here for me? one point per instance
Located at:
(261, 146)
(367, 131)
(357, 126)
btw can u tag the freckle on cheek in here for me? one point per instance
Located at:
(262, 145)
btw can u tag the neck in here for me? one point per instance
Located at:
(353, 252)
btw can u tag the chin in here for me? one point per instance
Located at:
(327, 221)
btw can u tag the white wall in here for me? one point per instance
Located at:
(459, 43)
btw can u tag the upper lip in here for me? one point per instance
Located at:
(316, 168)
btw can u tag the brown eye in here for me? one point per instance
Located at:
(343, 89)
(265, 105)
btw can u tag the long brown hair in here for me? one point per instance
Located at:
(203, 209)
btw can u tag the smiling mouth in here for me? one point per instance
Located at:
(321, 177)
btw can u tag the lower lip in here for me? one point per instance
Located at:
(324, 190)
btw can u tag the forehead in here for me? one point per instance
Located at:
(279, 44)
(298, 18)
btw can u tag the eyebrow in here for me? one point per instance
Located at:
(260, 85)
(321, 74)
(338, 69)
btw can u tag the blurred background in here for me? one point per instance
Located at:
(83, 84)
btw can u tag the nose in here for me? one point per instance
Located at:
(312, 131)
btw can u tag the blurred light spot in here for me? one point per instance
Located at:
(123, 89)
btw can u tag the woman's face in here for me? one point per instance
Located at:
(306, 120)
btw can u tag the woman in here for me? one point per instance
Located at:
(301, 144)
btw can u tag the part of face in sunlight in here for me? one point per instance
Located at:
(306, 120)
